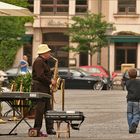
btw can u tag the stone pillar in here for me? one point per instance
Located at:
(37, 7)
(72, 7)
(112, 60)
(37, 35)
(37, 40)
(138, 57)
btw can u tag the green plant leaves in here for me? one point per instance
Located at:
(22, 82)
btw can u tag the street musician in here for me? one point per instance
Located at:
(41, 81)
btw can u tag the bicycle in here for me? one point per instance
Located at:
(107, 84)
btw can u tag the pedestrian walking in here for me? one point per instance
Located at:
(133, 100)
(24, 65)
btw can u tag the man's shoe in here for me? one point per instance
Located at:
(133, 128)
(51, 132)
(41, 134)
(130, 132)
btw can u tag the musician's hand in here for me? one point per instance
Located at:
(53, 82)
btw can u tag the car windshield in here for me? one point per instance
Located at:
(93, 70)
(12, 71)
(79, 72)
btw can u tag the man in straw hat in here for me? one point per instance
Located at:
(41, 80)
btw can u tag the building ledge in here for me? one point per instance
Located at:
(117, 15)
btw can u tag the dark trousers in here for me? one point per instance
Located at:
(42, 106)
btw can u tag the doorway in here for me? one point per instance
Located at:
(125, 53)
(83, 58)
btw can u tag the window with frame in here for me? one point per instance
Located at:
(81, 6)
(126, 6)
(54, 7)
(125, 52)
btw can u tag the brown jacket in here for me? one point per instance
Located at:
(41, 75)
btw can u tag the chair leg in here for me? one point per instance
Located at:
(58, 129)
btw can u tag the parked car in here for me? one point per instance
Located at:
(96, 70)
(76, 78)
(14, 72)
(100, 71)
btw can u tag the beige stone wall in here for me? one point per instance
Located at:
(37, 40)
(56, 23)
(124, 22)
(104, 57)
(93, 6)
(59, 23)
(18, 57)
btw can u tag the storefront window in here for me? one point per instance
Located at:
(125, 53)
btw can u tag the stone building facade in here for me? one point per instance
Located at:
(52, 18)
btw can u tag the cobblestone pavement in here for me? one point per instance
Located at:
(105, 113)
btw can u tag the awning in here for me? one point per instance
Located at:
(7, 9)
(124, 38)
(27, 38)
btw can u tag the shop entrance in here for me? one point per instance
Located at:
(125, 53)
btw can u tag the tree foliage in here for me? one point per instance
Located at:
(12, 31)
(23, 3)
(8, 50)
(89, 32)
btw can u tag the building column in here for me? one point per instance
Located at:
(112, 57)
(37, 35)
(37, 40)
(72, 7)
(138, 56)
(89, 5)
(37, 7)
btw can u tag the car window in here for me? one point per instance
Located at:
(75, 73)
(85, 69)
(94, 70)
(63, 73)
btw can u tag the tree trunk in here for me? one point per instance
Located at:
(91, 56)
(99, 56)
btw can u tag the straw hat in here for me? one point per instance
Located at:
(43, 48)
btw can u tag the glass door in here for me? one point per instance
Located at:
(125, 53)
